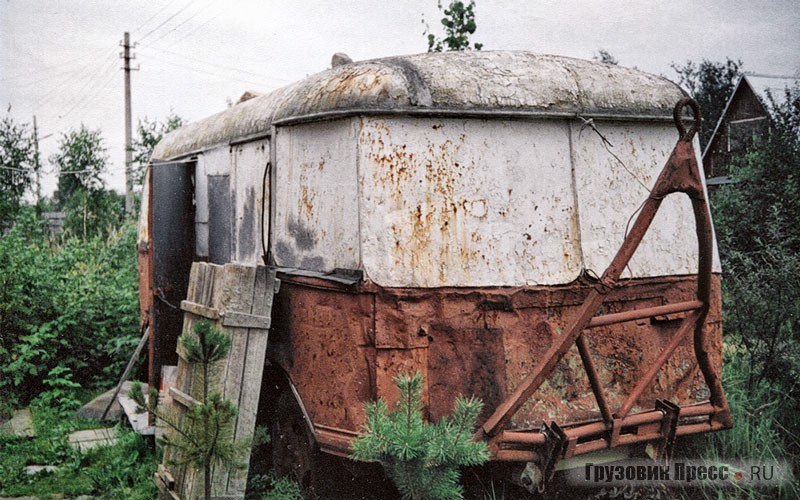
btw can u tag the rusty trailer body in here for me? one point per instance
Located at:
(499, 221)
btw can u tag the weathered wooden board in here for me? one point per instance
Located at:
(240, 298)
(252, 370)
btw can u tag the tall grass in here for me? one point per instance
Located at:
(763, 421)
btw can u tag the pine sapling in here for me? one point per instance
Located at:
(421, 458)
(204, 435)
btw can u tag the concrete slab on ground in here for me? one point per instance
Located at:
(95, 408)
(32, 470)
(86, 440)
(21, 424)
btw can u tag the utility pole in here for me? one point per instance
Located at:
(36, 162)
(126, 56)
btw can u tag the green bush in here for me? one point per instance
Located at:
(759, 240)
(123, 471)
(68, 310)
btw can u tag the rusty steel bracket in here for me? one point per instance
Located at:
(669, 427)
(616, 430)
(554, 448)
(681, 174)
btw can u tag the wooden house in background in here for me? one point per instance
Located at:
(746, 116)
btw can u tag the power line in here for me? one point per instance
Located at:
(46, 69)
(203, 25)
(15, 169)
(90, 85)
(87, 98)
(65, 86)
(69, 71)
(199, 70)
(184, 21)
(221, 66)
(88, 170)
(154, 15)
(165, 21)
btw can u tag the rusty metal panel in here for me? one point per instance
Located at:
(316, 209)
(467, 202)
(610, 190)
(145, 261)
(323, 336)
(249, 161)
(482, 342)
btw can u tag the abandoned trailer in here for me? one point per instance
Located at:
(498, 221)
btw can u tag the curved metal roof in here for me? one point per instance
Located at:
(512, 83)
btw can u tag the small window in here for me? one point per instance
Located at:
(741, 132)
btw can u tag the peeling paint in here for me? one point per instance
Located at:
(458, 197)
(316, 203)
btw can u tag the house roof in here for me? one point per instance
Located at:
(511, 83)
(762, 86)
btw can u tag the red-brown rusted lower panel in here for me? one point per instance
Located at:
(342, 346)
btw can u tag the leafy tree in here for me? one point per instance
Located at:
(605, 57)
(421, 458)
(711, 84)
(81, 161)
(150, 132)
(17, 167)
(759, 241)
(756, 219)
(459, 24)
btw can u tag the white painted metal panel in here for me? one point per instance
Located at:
(467, 202)
(316, 196)
(215, 161)
(249, 163)
(610, 190)
(143, 231)
(201, 207)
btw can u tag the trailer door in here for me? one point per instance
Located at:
(172, 245)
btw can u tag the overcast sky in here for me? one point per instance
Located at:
(59, 59)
